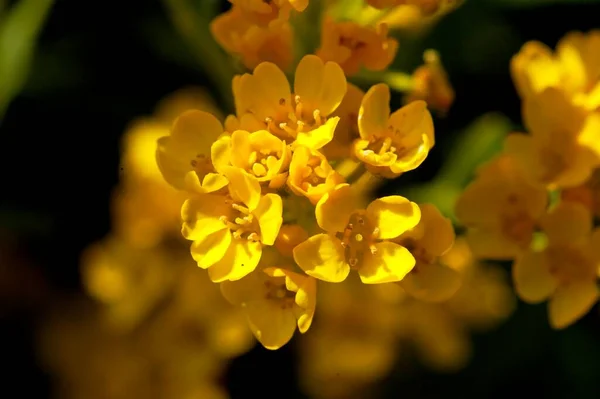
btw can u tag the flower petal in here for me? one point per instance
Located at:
(321, 85)
(243, 186)
(241, 259)
(571, 302)
(569, 222)
(269, 214)
(272, 325)
(393, 215)
(532, 279)
(322, 257)
(201, 214)
(334, 209)
(263, 90)
(209, 249)
(432, 282)
(240, 292)
(374, 111)
(414, 119)
(317, 138)
(492, 244)
(390, 263)
(439, 232)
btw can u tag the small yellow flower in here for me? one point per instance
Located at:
(229, 230)
(565, 271)
(311, 175)
(347, 128)
(359, 239)
(253, 43)
(430, 279)
(260, 153)
(431, 84)
(392, 144)
(184, 156)
(574, 68)
(261, 12)
(564, 143)
(275, 301)
(302, 118)
(587, 194)
(353, 46)
(501, 210)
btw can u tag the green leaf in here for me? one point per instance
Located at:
(19, 29)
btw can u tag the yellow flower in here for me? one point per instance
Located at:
(252, 43)
(275, 301)
(430, 279)
(259, 153)
(230, 229)
(301, 119)
(392, 144)
(587, 194)
(431, 84)
(564, 145)
(565, 271)
(359, 239)
(347, 128)
(311, 175)
(289, 236)
(501, 210)
(184, 156)
(574, 68)
(260, 12)
(353, 46)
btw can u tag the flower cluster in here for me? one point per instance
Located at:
(277, 197)
(537, 202)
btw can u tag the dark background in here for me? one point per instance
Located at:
(98, 66)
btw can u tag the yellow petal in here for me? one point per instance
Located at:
(241, 259)
(272, 325)
(240, 149)
(432, 282)
(589, 136)
(194, 132)
(492, 244)
(390, 263)
(532, 279)
(571, 302)
(413, 118)
(220, 153)
(321, 85)
(269, 214)
(213, 182)
(551, 112)
(334, 209)
(242, 186)
(201, 215)
(374, 111)
(239, 292)
(322, 257)
(569, 222)
(318, 137)
(439, 232)
(264, 89)
(393, 215)
(209, 249)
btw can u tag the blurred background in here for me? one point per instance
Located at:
(96, 66)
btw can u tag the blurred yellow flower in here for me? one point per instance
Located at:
(359, 239)
(260, 12)
(229, 229)
(565, 272)
(353, 46)
(392, 144)
(430, 84)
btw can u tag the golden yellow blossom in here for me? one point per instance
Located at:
(565, 271)
(230, 229)
(252, 43)
(392, 144)
(587, 194)
(430, 84)
(430, 279)
(353, 46)
(260, 153)
(302, 118)
(574, 68)
(346, 130)
(275, 301)
(563, 147)
(260, 12)
(311, 175)
(501, 210)
(359, 239)
(184, 157)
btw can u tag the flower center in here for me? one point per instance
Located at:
(295, 118)
(421, 255)
(516, 223)
(277, 292)
(264, 161)
(314, 173)
(358, 238)
(241, 222)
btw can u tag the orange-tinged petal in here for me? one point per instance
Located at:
(269, 214)
(317, 138)
(272, 325)
(334, 209)
(532, 279)
(569, 222)
(571, 302)
(374, 111)
(241, 259)
(390, 263)
(320, 85)
(209, 249)
(432, 282)
(322, 257)
(393, 215)
(242, 186)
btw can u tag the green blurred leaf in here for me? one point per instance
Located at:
(19, 29)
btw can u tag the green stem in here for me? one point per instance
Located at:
(194, 29)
